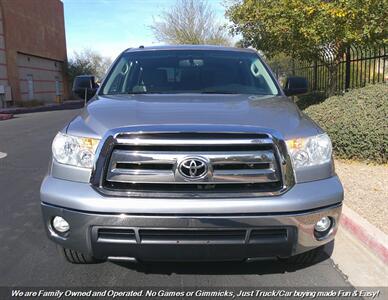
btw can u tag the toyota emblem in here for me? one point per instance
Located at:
(193, 168)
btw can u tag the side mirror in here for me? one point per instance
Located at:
(85, 86)
(295, 86)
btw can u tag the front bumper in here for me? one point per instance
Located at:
(190, 229)
(283, 235)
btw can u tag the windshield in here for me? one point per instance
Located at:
(189, 71)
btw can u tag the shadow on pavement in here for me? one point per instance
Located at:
(224, 268)
(64, 106)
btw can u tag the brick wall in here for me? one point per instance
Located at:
(33, 29)
(39, 78)
(3, 62)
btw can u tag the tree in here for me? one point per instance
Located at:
(310, 29)
(190, 22)
(88, 62)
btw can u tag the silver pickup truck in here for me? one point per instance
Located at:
(190, 153)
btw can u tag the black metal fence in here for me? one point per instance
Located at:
(358, 67)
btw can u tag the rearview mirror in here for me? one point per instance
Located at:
(295, 86)
(85, 86)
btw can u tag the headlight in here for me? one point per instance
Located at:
(74, 151)
(310, 151)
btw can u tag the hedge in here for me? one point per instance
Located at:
(356, 122)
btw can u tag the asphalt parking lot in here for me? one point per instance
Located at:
(28, 258)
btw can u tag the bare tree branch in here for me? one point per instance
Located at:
(190, 22)
(88, 62)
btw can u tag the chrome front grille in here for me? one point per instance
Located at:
(149, 164)
(133, 166)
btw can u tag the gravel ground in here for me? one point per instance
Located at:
(366, 190)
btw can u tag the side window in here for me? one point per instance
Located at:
(117, 78)
(116, 84)
(262, 78)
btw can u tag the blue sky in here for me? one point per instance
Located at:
(110, 26)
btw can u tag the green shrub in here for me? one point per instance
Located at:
(357, 123)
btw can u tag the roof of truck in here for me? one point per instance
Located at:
(189, 47)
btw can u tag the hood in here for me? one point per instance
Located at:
(190, 110)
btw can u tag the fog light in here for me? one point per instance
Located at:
(323, 224)
(60, 224)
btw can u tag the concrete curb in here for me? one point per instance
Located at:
(72, 104)
(5, 116)
(373, 238)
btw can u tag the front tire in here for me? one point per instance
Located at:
(76, 257)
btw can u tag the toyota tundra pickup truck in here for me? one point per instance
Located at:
(191, 153)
